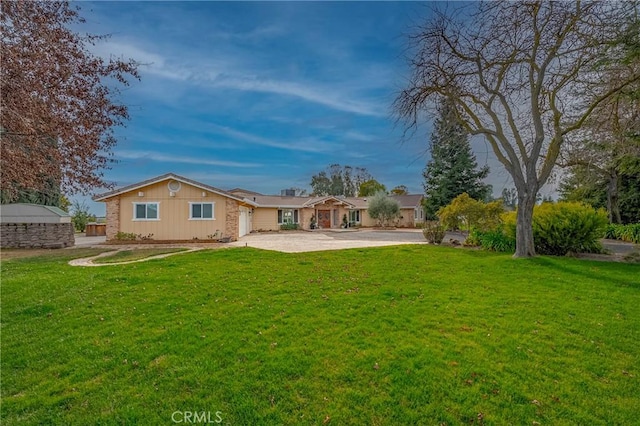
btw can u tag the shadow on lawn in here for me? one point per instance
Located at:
(589, 269)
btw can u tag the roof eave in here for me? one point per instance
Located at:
(153, 181)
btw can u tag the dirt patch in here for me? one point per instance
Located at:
(9, 254)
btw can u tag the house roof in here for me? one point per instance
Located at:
(242, 191)
(168, 176)
(282, 201)
(279, 201)
(314, 201)
(409, 201)
(256, 199)
(32, 213)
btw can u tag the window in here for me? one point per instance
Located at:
(146, 211)
(354, 216)
(201, 211)
(287, 216)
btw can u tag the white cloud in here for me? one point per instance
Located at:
(156, 156)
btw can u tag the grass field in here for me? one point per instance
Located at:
(385, 336)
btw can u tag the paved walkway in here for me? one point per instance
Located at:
(88, 261)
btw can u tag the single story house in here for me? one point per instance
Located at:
(172, 207)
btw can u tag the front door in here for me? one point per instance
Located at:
(324, 218)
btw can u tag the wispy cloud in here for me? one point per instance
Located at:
(232, 75)
(157, 156)
(358, 136)
(256, 34)
(304, 145)
(305, 90)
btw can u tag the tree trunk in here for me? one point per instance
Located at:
(613, 199)
(524, 225)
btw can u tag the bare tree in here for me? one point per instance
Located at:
(522, 74)
(57, 109)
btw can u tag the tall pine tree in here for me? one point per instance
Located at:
(453, 168)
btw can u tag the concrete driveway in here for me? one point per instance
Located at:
(294, 242)
(84, 241)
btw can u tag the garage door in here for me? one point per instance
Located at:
(244, 221)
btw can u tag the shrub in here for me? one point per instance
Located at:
(561, 228)
(492, 240)
(612, 231)
(126, 236)
(629, 233)
(289, 226)
(466, 213)
(383, 208)
(433, 231)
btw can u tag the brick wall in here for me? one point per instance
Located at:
(36, 235)
(113, 217)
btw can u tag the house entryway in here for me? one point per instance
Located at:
(324, 218)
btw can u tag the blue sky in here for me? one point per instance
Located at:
(264, 95)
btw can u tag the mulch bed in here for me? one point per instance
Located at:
(165, 242)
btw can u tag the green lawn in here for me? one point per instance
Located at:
(391, 336)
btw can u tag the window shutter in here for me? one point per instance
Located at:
(295, 216)
(279, 216)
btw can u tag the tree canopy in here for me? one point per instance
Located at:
(371, 187)
(452, 169)
(400, 190)
(524, 75)
(58, 108)
(339, 180)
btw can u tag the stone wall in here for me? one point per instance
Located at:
(231, 224)
(305, 218)
(36, 235)
(113, 217)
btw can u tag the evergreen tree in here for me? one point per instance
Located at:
(453, 168)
